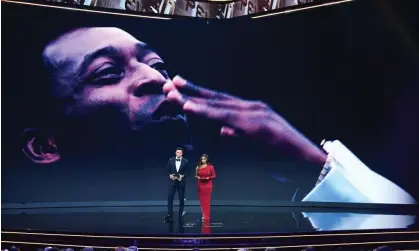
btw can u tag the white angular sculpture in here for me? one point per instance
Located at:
(350, 180)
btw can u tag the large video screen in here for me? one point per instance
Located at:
(293, 108)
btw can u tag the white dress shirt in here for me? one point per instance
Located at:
(178, 163)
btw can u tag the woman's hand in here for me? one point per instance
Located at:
(242, 117)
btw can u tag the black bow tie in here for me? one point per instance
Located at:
(177, 159)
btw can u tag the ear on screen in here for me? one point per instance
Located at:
(39, 147)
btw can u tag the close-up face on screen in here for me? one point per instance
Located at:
(94, 105)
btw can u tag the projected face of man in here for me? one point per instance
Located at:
(95, 67)
(109, 72)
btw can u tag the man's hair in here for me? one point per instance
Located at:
(180, 149)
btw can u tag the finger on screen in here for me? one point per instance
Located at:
(228, 131)
(168, 86)
(175, 96)
(194, 90)
(237, 104)
(227, 116)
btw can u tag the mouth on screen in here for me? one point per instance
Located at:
(164, 118)
(167, 110)
(167, 130)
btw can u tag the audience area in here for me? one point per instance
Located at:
(134, 248)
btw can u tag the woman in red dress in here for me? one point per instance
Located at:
(205, 173)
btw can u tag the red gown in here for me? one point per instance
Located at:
(206, 175)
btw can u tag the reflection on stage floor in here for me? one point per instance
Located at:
(225, 219)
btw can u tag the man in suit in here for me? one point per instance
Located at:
(177, 168)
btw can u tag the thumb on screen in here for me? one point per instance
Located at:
(228, 131)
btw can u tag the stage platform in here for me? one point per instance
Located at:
(125, 224)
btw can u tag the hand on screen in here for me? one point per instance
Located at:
(240, 117)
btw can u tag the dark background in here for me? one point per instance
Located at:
(347, 72)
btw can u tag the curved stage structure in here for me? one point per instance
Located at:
(106, 225)
(327, 241)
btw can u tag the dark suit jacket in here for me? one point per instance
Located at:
(183, 170)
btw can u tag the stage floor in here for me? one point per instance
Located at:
(225, 220)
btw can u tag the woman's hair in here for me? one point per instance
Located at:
(200, 162)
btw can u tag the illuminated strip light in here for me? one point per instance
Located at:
(303, 8)
(85, 10)
(276, 247)
(209, 238)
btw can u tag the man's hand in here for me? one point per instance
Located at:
(171, 177)
(180, 177)
(241, 117)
